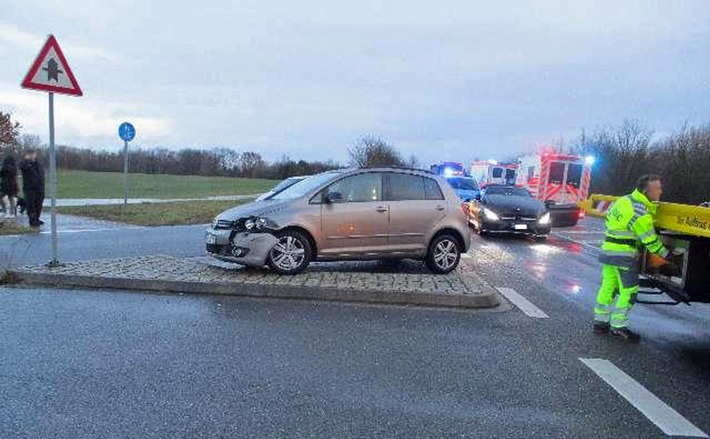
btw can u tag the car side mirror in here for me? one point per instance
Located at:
(333, 197)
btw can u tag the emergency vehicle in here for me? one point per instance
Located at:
(449, 169)
(551, 176)
(492, 172)
(560, 180)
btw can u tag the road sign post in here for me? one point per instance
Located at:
(50, 72)
(127, 132)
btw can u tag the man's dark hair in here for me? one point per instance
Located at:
(643, 182)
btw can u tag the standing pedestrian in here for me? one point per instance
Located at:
(629, 225)
(33, 187)
(8, 186)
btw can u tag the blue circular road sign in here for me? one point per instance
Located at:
(126, 132)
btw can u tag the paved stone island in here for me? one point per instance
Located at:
(408, 282)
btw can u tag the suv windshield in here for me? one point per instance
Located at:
(305, 186)
(508, 190)
(464, 184)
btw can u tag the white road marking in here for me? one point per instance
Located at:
(522, 303)
(582, 232)
(657, 411)
(49, 232)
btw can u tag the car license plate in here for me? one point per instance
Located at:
(210, 239)
(521, 227)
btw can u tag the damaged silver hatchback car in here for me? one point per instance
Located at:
(353, 214)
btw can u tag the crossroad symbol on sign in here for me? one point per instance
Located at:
(51, 72)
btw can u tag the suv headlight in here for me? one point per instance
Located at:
(490, 214)
(545, 219)
(215, 221)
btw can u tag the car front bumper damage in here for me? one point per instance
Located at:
(244, 248)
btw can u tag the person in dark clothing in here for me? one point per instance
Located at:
(8, 186)
(33, 187)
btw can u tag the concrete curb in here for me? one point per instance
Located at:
(489, 298)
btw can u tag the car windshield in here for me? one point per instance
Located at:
(305, 186)
(286, 183)
(508, 191)
(465, 184)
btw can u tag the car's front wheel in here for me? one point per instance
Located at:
(292, 254)
(444, 254)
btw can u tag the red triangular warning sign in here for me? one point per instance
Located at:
(51, 71)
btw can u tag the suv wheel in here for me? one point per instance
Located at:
(292, 254)
(444, 254)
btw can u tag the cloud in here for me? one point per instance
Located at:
(12, 36)
(79, 121)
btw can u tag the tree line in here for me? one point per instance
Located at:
(224, 162)
(625, 152)
(622, 153)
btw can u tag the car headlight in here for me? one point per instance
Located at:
(490, 214)
(260, 223)
(545, 219)
(256, 223)
(215, 221)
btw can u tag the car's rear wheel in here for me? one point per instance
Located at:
(444, 254)
(292, 254)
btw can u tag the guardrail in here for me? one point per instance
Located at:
(681, 218)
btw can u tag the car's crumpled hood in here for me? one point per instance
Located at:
(255, 208)
(510, 203)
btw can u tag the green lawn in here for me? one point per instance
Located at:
(82, 184)
(155, 214)
(15, 229)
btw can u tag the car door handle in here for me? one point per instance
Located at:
(440, 208)
(382, 209)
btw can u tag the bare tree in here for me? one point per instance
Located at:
(621, 153)
(372, 151)
(250, 164)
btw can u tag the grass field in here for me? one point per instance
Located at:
(82, 184)
(15, 229)
(155, 214)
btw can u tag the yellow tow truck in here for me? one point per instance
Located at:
(682, 227)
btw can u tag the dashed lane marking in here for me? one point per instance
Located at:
(657, 411)
(522, 303)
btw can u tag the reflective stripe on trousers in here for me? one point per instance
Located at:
(626, 283)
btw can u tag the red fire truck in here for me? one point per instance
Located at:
(560, 180)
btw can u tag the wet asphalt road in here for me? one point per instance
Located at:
(110, 364)
(83, 239)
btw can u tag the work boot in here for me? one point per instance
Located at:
(601, 327)
(625, 334)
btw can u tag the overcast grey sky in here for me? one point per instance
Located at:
(444, 80)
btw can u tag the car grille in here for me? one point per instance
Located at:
(511, 217)
(224, 224)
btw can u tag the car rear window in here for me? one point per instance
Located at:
(432, 191)
(406, 187)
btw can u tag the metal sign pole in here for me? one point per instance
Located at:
(125, 172)
(53, 183)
